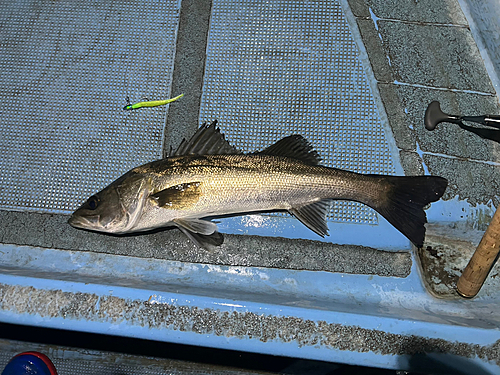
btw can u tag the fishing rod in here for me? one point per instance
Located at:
(434, 115)
(482, 261)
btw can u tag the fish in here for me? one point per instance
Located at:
(207, 177)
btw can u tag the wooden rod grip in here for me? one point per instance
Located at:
(482, 260)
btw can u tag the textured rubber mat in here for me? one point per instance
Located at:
(284, 67)
(66, 69)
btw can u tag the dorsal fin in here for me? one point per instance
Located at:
(208, 140)
(294, 146)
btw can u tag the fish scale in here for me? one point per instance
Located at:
(288, 180)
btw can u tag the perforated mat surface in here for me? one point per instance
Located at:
(67, 68)
(286, 67)
(292, 67)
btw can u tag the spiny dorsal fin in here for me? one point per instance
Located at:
(208, 140)
(313, 215)
(294, 146)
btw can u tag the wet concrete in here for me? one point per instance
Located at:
(447, 250)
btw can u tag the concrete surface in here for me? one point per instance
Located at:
(483, 18)
(189, 67)
(427, 11)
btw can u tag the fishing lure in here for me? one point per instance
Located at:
(150, 103)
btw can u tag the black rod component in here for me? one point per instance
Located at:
(491, 134)
(488, 120)
(434, 115)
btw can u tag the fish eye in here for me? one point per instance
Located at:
(93, 202)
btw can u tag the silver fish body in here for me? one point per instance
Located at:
(182, 189)
(214, 185)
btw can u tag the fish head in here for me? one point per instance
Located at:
(115, 209)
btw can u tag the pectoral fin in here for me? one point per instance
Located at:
(179, 196)
(313, 215)
(202, 232)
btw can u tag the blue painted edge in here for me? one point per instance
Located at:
(389, 296)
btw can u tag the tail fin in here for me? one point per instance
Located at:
(404, 203)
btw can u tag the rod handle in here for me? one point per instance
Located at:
(434, 115)
(482, 260)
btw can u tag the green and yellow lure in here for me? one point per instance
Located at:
(150, 103)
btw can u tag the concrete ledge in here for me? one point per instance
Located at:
(189, 67)
(376, 54)
(52, 231)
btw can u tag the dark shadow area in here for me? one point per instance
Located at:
(188, 353)
(444, 364)
(142, 347)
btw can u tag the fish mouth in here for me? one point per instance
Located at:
(80, 222)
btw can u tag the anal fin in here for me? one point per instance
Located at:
(313, 215)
